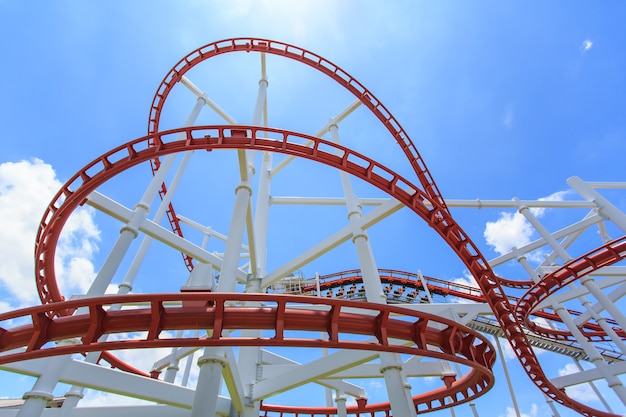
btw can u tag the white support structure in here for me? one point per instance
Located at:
(285, 233)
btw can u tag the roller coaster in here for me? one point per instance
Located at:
(239, 297)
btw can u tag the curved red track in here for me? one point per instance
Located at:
(300, 55)
(573, 270)
(283, 315)
(436, 286)
(249, 137)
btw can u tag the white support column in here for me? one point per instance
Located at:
(391, 365)
(473, 407)
(167, 198)
(209, 383)
(391, 369)
(369, 270)
(188, 364)
(507, 377)
(37, 399)
(211, 371)
(555, 412)
(173, 368)
(249, 359)
(261, 214)
(232, 253)
(129, 232)
(340, 399)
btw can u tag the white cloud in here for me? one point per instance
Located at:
(510, 230)
(558, 196)
(26, 189)
(586, 45)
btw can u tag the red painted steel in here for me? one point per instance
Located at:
(107, 166)
(313, 60)
(339, 319)
(301, 55)
(573, 270)
(410, 281)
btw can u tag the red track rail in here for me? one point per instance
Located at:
(132, 153)
(573, 270)
(444, 288)
(314, 61)
(281, 315)
(301, 55)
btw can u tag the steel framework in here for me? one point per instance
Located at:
(241, 302)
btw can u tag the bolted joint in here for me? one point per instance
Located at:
(384, 369)
(212, 359)
(38, 394)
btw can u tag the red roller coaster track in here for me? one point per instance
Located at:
(250, 137)
(58, 319)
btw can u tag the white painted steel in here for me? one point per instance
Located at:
(252, 374)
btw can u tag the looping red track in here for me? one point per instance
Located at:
(300, 55)
(396, 329)
(313, 60)
(125, 156)
(573, 270)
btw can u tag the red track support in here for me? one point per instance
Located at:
(105, 167)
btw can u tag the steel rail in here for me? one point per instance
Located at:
(176, 74)
(444, 288)
(606, 255)
(280, 315)
(77, 189)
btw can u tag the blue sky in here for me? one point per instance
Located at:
(502, 99)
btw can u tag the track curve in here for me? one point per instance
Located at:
(574, 270)
(130, 154)
(298, 54)
(396, 330)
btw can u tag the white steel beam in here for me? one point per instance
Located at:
(309, 372)
(581, 225)
(128, 410)
(280, 364)
(339, 237)
(592, 374)
(169, 238)
(115, 381)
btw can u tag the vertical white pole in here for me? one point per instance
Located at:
(506, 375)
(340, 399)
(390, 365)
(208, 385)
(37, 399)
(473, 407)
(228, 279)
(248, 359)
